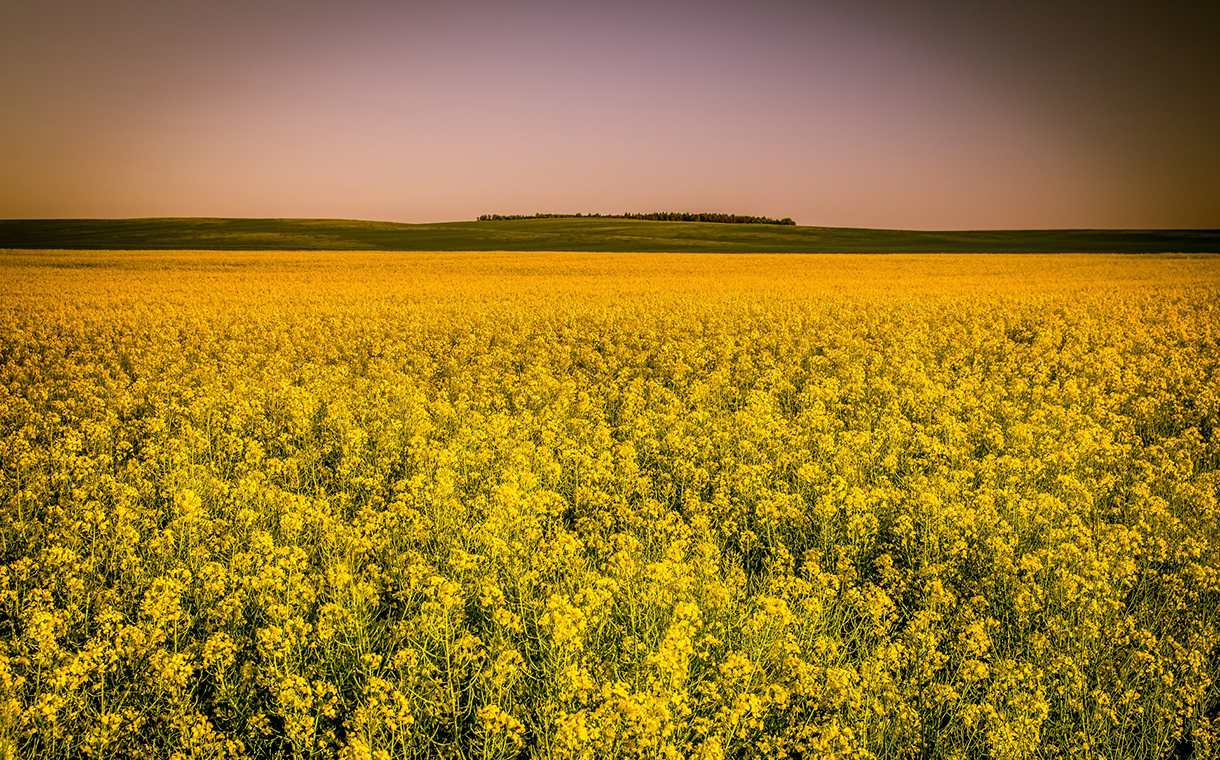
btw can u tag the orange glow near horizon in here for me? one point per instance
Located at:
(424, 111)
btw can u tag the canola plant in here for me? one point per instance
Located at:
(375, 505)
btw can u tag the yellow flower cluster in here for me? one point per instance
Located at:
(375, 505)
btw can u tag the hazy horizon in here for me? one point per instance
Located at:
(879, 114)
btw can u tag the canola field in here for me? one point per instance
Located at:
(539, 505)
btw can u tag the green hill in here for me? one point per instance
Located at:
(574, 234)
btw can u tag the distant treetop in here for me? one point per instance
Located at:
(660, 216)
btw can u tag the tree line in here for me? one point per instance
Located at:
(660, 216)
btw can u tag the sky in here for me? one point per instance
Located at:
(939, 114)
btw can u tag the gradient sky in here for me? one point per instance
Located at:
(874, 113)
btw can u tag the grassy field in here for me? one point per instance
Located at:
(614, 235)
(586, 505)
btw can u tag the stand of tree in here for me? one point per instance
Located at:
(660, 216)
